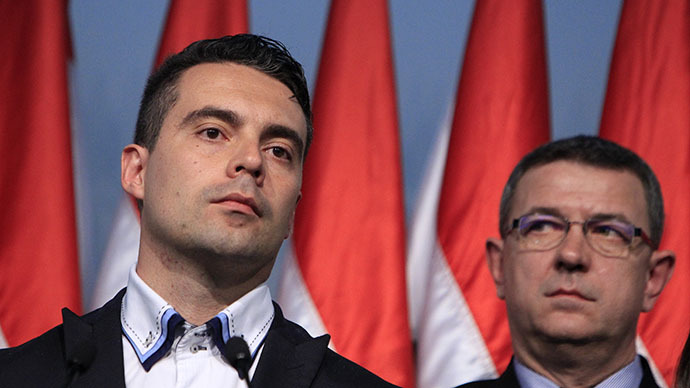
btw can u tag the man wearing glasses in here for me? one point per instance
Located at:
(580, 221)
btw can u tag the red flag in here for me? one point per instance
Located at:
(647, 109)
(187, 22)
(192, 20)
(501, 114)
(38, 243)
(349, 229)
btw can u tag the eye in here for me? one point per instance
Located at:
(610, 231)
(211, 133)
(540, 225)
(280, 152)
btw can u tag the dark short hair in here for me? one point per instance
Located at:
(596, 152)
(264, 54)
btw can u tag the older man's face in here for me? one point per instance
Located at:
(571, 292)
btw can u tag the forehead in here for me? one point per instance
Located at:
(580, 191)
(242, 89)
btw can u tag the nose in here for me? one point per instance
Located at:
(572, 254)
(247, 158)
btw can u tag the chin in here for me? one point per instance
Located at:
(570, 335)
(566, 327)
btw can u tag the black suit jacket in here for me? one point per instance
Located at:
(87, 352)
(509, 379)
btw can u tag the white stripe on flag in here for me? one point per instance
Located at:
(422, 239)
(450, 348)
(120, 255)
(294, 299)
(3, 341)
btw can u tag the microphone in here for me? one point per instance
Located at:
(237, 353)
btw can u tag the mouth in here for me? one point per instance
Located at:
(569, 293)
(240, 203)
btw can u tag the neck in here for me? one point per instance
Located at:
(576, 365)
(198, 288)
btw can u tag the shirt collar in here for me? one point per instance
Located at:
(628, 376)
(248, 317)
(145, 317)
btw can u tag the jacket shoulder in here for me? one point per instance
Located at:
(482, 384)
(508, 379)
(289, 347)
(338, 371)
(42, 361)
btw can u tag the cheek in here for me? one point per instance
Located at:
(529, 269)
(520, 278)
(525, 279)
(284, 188)
(624, 284)
(289, 200)
(172, 183)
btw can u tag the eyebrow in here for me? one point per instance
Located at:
(228, 116)
(597, 216)
(611, 216)
(549, 211)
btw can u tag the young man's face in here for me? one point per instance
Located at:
(224, 176)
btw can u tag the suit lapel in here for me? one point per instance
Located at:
(290, 357)
(509, 378)
(101, 331)
(647, 376)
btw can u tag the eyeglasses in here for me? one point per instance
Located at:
(609, 236)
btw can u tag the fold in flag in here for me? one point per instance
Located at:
(647, 109)
(501, 113)
(346, 276)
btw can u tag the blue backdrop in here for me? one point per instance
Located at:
(115, 42)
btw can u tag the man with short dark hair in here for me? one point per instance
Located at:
(216, 166)
(581, 220)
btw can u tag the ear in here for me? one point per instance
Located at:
(494, 258)
(291, 225)
(660, 270)
(133, 165)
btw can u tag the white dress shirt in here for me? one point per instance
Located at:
(627, 377)
(193, 359)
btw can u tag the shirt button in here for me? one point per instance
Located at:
(196, 348)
